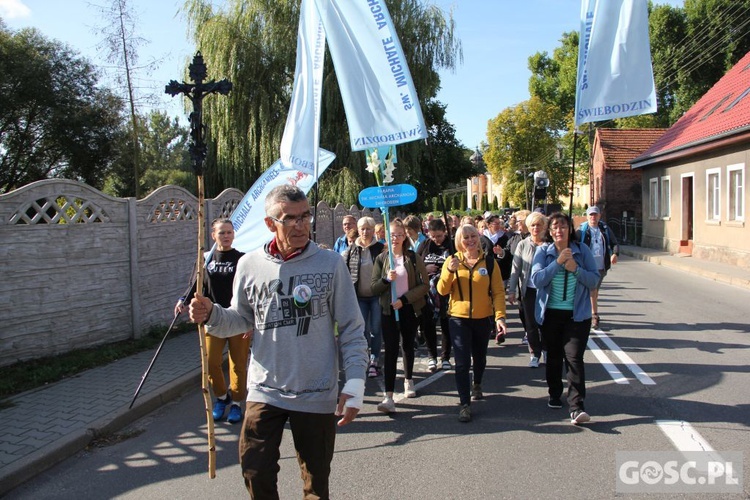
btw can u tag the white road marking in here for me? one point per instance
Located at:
(616, 374)
(433, 377)
(685, 438)
(641, 375)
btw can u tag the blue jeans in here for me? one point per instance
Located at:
(469, 337)
(370, 309)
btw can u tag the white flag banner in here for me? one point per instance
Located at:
(248, 218)
(615, 77)
(376, 86)
(300, 142)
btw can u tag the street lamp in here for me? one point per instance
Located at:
(525, 185)
(541, 183)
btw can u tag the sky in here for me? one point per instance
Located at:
(498, 37)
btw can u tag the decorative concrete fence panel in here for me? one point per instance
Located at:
(65, 258)
(81, 268)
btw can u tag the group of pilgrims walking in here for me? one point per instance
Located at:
(457, 278)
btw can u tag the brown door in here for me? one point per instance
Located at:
(687, 209)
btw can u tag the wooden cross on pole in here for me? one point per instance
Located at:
(196, 91)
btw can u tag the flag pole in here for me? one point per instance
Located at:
(573, 173)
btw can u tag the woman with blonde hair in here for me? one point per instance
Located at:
(477, 296)
(409, 277)
(360, 259)
(520, 286)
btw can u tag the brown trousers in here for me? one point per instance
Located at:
(314, 436)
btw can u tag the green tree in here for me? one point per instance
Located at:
(163, 147)
(55, 119)
(253, 43)
(712, 39)
(553, 79)
(524, 136)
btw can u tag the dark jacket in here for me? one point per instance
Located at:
(353, 255)
(610, 242)
(507, 261)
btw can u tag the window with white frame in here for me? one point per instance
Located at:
(653, 198)
(665, 200)
(736, 198)
(713, 194)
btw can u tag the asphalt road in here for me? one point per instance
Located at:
(677, 348)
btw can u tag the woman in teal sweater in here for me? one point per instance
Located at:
(563, 273)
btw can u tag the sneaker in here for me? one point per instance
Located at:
(220, 406)
(235, 413)
(464, 415)
(432, 365)
(409, 391)
(525, 340)
(579, 417)
(387, 405)
(554, 403)
(446, 365)
(372, 371)
(544, 357)
(500, 338)
(534, 363)
(476, 392)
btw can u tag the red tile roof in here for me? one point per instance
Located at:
(722, 111)
(619, 146)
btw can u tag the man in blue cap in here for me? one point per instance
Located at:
(601, 240)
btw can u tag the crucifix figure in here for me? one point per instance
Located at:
(196, 92)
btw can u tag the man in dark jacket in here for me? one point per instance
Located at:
(601, 240)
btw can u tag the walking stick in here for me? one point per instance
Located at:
(161, 344)
(202, 334)
(153, 360)
(196, 92)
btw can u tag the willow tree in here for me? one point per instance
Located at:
(253, 44)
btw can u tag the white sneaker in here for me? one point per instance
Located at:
(534, 363)
(579, 417)
(446, 365)
(409, 391)
(387, 405)
(432, 365)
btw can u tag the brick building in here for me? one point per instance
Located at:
(615, 187)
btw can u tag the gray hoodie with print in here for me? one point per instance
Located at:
(294, 307)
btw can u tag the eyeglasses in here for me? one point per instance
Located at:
(397, 235)
(293, 221)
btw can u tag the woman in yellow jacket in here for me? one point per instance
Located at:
(477, 296)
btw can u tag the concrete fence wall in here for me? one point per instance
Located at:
(80, 268)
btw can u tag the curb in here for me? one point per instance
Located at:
(35, 463)
(675, 263)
